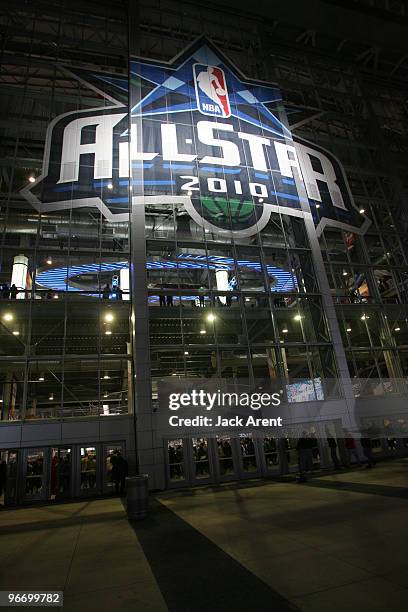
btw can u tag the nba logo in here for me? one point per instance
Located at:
(211, 91)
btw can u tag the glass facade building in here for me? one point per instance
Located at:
(96, 311)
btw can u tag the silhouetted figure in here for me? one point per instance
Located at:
(305, 454)
(13, 292)
(333, 450)
(162, 300)
(64, 476)
(169, 300)
(119, 472)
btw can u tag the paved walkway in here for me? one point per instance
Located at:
(337, 542)
(86, 549)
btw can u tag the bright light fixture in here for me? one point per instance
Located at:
(203, 331)
(16, 332)
(48, 261)
(8, 316)
(31, 179)
(41, 378)
(297, 317)
(108, 332)
(317, 205)
(186, 352)
(362, 211)
(106, 377)
(397, 328)
(211, 318)
(110, 186)
(348, 329)
(109, 317)
(285, 330)
(345, 273)
(51, 397)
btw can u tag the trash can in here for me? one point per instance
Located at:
(137, 496)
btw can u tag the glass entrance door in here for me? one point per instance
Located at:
(113, 476)
(248, 455)
(226, 458)
(89, 475)
(9, 477)
(201, 464)
(35, 464)
(291, 455)
(176, 462)
(61, 473)
(270, 447)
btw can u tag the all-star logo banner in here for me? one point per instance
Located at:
(211, 141)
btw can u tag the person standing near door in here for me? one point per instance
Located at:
(119, 472)
(331, 441)
(305, 455)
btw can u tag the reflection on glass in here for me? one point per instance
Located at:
(176, 457)
(200, 454)
(34, 473)
(88, 468)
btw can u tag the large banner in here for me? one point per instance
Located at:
(211, 141)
